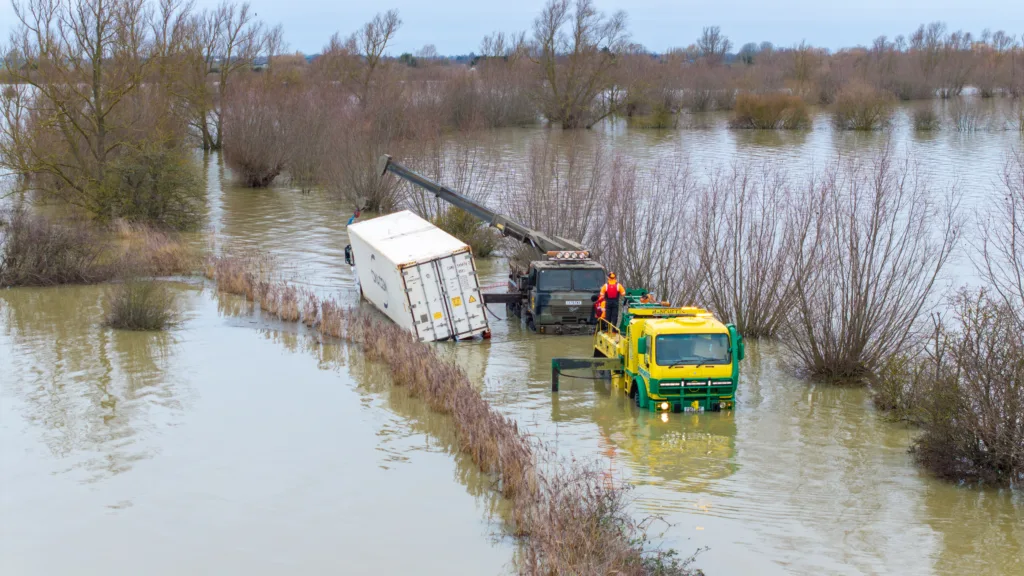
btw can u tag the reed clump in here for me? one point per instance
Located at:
(569, 518)
(772, 111)
(143, 305)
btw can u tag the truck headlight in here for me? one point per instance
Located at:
(664, 406)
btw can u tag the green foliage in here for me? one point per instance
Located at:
(773, 111)
(156, 185)
(464, 226)
(408, 59)
(141, 305)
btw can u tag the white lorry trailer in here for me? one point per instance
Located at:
(418, 275)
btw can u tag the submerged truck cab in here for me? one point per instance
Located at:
(559, 295)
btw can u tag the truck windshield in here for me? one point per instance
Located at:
(685, 349)
(587, 280)
(554, 280)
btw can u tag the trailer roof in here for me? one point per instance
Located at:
(405, 238)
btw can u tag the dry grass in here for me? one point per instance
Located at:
(151, 252)
(774, 111)
(569, 519)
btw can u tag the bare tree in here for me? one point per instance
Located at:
(371, 42)
(274, 45)
(639, 237)
(881, 240)
(576, 49)
(240, 40)
(751, 227)
(75, 65)
(713, 45)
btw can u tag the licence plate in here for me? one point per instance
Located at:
(573, 302)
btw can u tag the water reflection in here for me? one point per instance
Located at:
(90, 390)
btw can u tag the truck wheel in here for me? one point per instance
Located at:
(641, 396)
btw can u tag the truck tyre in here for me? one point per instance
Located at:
(641, 395)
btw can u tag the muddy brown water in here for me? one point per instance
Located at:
(238, 444)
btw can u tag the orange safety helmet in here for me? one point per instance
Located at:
(611, 275)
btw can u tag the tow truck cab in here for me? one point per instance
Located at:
(675, 359)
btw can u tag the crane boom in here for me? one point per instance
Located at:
(507, 227)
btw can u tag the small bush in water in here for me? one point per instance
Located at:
(770, 112)
(141, 305)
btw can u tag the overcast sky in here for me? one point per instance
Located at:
(457, 26)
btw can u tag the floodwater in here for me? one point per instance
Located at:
(235, 444)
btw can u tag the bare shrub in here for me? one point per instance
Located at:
(255, 140)
(972, 415)
(751, 225)
(38, 252)
(770, 111)
(507, 81)
(965, 115)
(861, 107)
(880, 239)
(561, 190)
(141, 305)
(306, 135)
(1002, 236)
(702, 86)
(639, 236)
(156, 185)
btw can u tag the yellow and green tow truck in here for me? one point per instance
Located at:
(668, 359)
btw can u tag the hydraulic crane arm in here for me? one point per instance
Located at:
(507, 227)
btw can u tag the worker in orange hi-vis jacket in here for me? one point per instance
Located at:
(610, 294)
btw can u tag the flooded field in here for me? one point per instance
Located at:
(237, 444)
